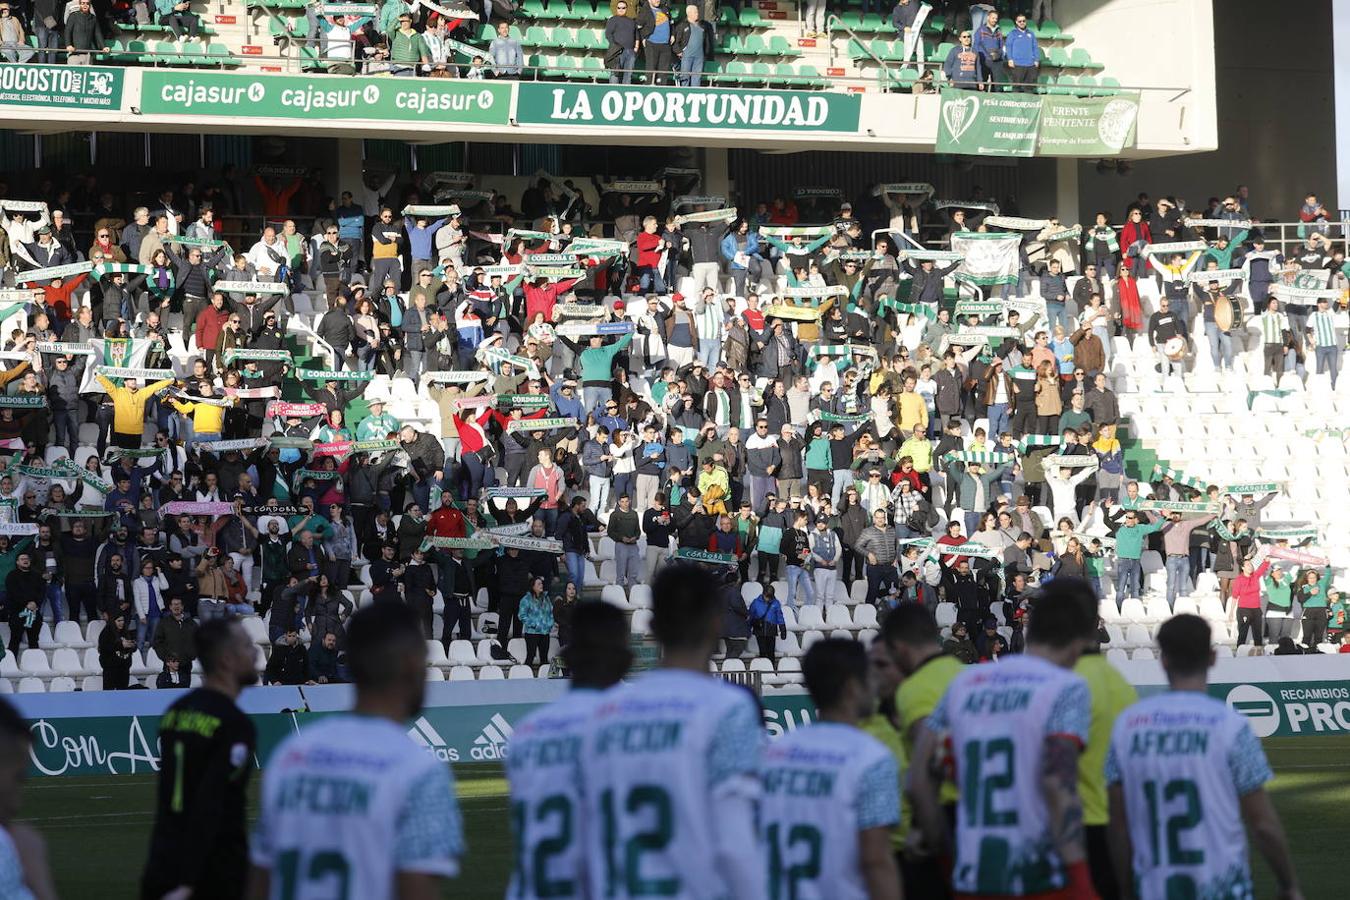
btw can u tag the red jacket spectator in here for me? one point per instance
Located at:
(649, 256)
(542, 299)
(1135, 231)
(1247, 588)
(276, 204)
(447, 521)
(210, 322)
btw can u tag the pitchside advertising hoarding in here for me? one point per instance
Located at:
(463, 723)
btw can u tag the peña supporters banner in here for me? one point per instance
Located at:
(981, 124)
(987, 258)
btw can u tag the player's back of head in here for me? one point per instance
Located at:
(382, 640)
(214, 641)
(685, 599)
(1184, 642)
(911, 624)
(598, 653)
(828, 668)
(1062, 614)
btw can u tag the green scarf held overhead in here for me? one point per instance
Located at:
(1102, 235)
(918, 309)
(7, 311)
(1179, 477)
(1269, 392)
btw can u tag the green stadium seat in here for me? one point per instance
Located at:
(1057, 57)
(732, 45)
(784, 74)
(220, 55)
(939, 53)
(855, 49)
(750, 18)
(166, 54)
(810, 76)
(1048, 30)
(779, 46)
(737, 72)
(762, 72)
(755, 45)
(1079, 58)
(728, 16)
(1109, 85)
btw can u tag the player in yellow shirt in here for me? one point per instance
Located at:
(912, 637)
(1110, 695)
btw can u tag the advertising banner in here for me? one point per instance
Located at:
(673, 107)
(81, 87)
(229, 94)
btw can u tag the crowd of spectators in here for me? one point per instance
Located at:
(530, 414)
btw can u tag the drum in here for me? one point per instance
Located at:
(1174, 348)
(1223, 313)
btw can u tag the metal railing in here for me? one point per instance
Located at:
(1288, 237)
(833, 21)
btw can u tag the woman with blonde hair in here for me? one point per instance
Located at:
(1049, 403)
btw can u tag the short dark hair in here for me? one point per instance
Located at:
(683, 600)
(829, 666)
(598, 653)
(1184, 642)
(376, 637)
(911, 624)
(211, 640)
(1060, 613)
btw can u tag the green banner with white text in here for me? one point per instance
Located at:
(977, 123)
(671, 107)
(227, 94)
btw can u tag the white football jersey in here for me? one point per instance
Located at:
(544, 767)
(347, 803)
(1183, 760)
(822, 785)
(997, 717)
(657, 749)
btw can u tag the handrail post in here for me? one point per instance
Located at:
(833, 20)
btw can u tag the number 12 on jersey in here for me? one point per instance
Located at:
(650, 805)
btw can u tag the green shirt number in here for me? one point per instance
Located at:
(791, 876)
(652, 803)
(329, 863)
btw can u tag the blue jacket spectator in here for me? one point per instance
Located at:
(1022, 47)
(989, 44)
(904, 14)
(729, 248)
(963, 65)
(420, 239)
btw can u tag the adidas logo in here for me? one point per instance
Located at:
(429, 739)
(491, 743)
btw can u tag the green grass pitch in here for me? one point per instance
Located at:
(97, 827)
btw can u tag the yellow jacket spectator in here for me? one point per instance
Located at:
(911, 412)
(208, 419)
(129, 408)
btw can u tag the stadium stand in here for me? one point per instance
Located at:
(450, 506)
(747, 47)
